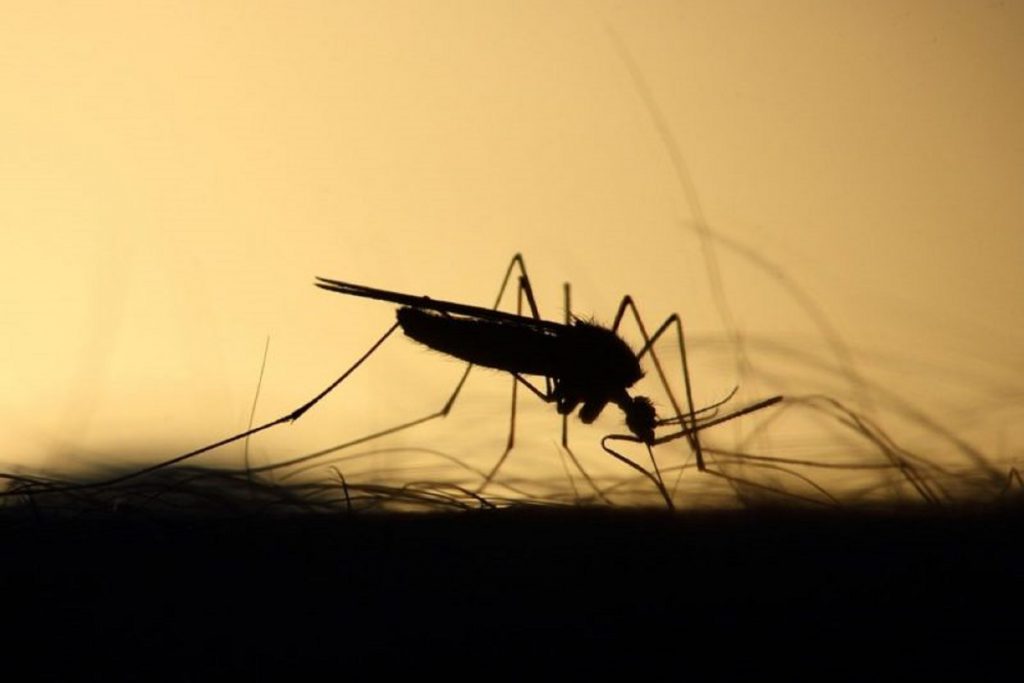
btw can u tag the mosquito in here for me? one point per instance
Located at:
(583, 365)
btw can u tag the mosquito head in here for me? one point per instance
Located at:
(640, 417)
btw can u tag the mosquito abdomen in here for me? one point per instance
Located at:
(591, 360)
(498, 345)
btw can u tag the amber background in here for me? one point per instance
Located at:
(173, 175)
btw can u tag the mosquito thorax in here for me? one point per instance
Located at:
(602, 359)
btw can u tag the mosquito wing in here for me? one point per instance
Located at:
(426, 303)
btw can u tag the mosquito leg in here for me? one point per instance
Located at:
(689, 417)
(290, 417)
(508, 444)
(547, 398)
(525, 290)
(567, 295)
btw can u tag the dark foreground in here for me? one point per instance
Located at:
(751, 594)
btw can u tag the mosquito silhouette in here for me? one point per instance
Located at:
(584, 365)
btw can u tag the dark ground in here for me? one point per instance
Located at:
(806, 594)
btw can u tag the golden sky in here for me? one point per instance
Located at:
(174, 174)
